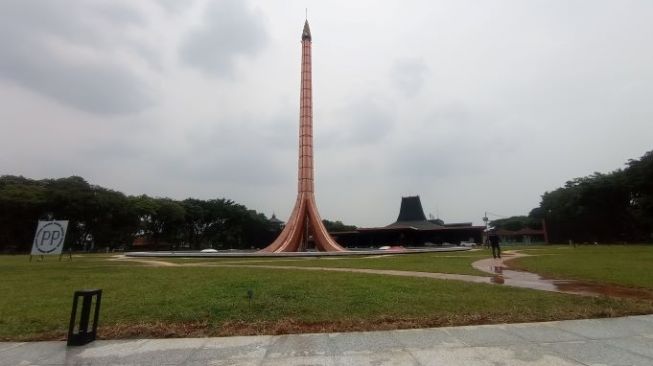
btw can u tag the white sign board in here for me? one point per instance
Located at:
(49, 237)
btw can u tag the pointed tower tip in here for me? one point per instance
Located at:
(306, 34)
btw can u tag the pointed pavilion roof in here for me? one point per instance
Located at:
(411, 215)
(411, 209)
(275, 220)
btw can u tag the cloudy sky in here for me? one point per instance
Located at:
(473, 105)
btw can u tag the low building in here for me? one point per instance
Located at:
(524, 236)
(411, 229)
(276, 223)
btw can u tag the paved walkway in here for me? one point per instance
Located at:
(619, 341)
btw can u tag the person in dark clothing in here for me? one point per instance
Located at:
(494, 243)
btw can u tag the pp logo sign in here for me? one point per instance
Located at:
(49, 238)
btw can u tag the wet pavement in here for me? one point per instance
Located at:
(617, 341)
(502, 274)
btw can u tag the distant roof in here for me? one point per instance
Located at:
(275, 220)
(458, 224)
(411, 217)
(411, 209)
(417, 224)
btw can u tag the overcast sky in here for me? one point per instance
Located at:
(473, 105)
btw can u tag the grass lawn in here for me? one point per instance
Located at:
(628, 265)
(145, 301)
(449, 262)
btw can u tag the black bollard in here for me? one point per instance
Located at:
(84, 335)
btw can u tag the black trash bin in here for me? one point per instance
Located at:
(85, 332)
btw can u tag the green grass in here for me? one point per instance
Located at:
(630, 265)
(452, 262)
(141, 300)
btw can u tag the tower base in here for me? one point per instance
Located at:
(304, 223)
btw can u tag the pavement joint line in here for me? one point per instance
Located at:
(268, 347)
(446, 330)
(571, 356)
(12, 347)
(625, 350)
(542, 324)
(190, 354)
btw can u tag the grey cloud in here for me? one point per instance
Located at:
(175, 6)
(230, 30)
(119, 14)
(97, 88)
(422, 160)
(29, 34)
(363, 121)
(241, 151)
(407, 76)
(454, 139)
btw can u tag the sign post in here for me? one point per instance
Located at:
(49, 238)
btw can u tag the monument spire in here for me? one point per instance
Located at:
(306, 34)
(305, 222)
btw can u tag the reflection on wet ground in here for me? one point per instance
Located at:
(498, 277)
(502, 274)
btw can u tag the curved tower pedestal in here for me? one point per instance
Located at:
(304, 223)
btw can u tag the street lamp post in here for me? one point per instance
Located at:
(485, 220)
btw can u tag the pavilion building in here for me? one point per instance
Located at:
(411, 229)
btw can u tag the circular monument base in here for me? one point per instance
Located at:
(256, 254)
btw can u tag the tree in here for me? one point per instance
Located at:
(617, 206)
(22, 203)
(112, 222)
(515, 223)
(639, 177)
(337, 226)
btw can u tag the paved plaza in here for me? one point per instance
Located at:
(618, 341)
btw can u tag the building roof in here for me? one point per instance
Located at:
(275, 220)
(415, 225)
(459, 224)
(411, 217)
(411, 209)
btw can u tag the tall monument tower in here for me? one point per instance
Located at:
(305, 221)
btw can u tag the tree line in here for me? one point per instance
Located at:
(604, 208)
(100, 217)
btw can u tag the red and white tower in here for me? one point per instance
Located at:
(305, 221)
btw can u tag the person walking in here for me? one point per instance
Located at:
(494, 243)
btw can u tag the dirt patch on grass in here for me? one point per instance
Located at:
(293, 326)
(590, 287)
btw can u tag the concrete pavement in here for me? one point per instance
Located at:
(618, 341)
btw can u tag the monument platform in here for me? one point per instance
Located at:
(259, 254)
